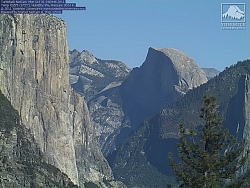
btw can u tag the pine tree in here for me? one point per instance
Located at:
(210, 158)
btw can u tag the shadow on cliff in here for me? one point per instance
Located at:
(235, 118)
(157, 149)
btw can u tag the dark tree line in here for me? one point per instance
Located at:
(211, 158)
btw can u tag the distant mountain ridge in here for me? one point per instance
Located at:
(142, 161)
(89, 75)
(126, 101)
(210, 72)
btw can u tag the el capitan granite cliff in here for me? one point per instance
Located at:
(34, 78)
(21, 161)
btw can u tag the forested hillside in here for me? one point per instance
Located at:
(143, 156)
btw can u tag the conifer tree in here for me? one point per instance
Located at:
(210, 158)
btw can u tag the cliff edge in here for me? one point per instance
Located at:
(34, 76)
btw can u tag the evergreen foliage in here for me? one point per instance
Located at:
(214, 159)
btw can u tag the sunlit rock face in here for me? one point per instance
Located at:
(34, 77)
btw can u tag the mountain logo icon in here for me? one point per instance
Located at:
(233, 12)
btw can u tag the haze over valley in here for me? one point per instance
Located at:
(71, 119)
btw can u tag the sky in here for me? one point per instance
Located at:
(124, 30)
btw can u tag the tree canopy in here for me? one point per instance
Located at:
(210, 157)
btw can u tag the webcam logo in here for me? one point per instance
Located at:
(233, 16)
(233, 12)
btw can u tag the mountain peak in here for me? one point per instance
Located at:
(179, 59)
(87, 56)
(185, 67)
(166, 51)
(166, 74)
(75, 51)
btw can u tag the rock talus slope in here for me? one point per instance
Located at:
(34, 77)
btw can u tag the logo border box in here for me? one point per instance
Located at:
(233, 20)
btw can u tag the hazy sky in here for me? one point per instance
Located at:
(125, 29)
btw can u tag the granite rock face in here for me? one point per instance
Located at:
(108, 117)
(98, 82)
(90, 76)
(34, 77)
(165, 75)
(125, 100)
(21, 160)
